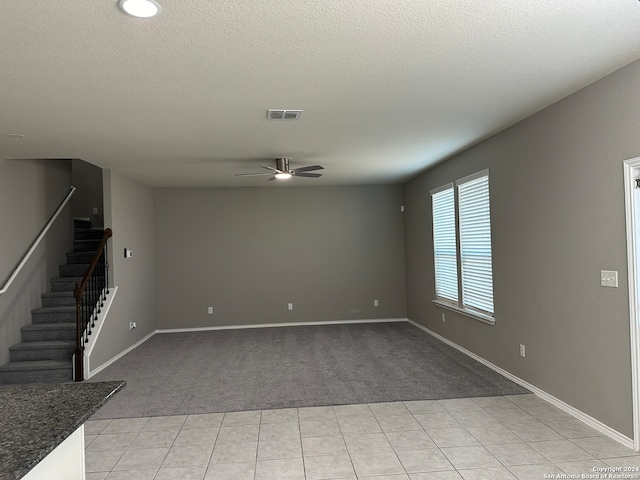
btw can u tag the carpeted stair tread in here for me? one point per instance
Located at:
(73, 270)
(60, 309)
(35, 365)
(41, 332)
(59, 314)
(57, 294)
(66, 279)
(49, 326)
(86, 245)
(65, 284)
(42, 345)
(75, 258)
(58, 299)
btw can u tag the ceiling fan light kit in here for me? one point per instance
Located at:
(282, 171)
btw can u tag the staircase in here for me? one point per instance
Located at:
(47, 347)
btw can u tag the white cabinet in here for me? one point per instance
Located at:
(66, 462)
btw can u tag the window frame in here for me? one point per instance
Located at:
(459, 305)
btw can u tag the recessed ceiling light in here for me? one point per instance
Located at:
(140, 8)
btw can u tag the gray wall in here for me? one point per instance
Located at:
(30, 192)
(557, 206)
(249, 251)
(129, 213)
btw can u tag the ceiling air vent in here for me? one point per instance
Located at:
(284, 114)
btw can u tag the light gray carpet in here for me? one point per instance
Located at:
(264, 368)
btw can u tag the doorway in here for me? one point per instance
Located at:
(632, 209)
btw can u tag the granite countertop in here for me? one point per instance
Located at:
(36, 418)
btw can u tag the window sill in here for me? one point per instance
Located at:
(469, 313)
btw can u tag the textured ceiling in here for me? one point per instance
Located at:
(388, 87)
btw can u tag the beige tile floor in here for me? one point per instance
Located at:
(512, 437)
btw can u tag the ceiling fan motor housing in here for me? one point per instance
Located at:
(282, 164)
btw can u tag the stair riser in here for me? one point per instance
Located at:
(62, 285)
(37, 376)
(85, 245)
(74, 258)
(87, 234)
(66, 301)
(53, 317)
(46, 335)
(77, 270)
(36, 354)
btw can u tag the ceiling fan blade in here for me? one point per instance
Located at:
(310, 175)
(272, 178)
(310, 168)
(271, 168)
(250, 174)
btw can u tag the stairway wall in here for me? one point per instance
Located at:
(30, 191)
(129, 212)
(87, 178)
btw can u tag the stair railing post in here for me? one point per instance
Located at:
(106, 269)
(79, 350)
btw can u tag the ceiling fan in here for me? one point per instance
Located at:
(282, 171)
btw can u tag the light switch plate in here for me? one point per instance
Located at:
(609, 278)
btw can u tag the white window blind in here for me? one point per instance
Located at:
(444, 243)
(475, 243)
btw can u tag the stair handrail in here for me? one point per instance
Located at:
(78, 293)
(37, 241)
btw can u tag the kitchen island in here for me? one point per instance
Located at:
(41, 427)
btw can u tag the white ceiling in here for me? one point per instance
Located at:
(388, 87)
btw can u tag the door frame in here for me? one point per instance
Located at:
(631, 173)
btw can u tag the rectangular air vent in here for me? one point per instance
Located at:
(283, 114)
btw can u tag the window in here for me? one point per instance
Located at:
(462, 246)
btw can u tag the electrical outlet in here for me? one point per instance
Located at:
(443, 319)
(522, 352)
(290, 306)
(128, 253)
(375, 303)
(95, 210)
(132, 325)
(210, 310)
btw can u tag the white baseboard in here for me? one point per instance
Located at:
(120, 355)
(268, 325)
(589, 420)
